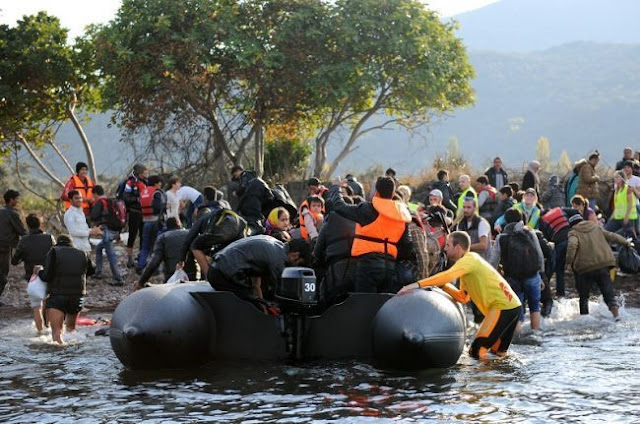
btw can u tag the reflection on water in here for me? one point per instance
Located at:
(584, 370)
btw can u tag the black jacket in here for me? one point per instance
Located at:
(335, 239)
(32, 249)
(65, 270)
(365, 214)
(11, 228)
(529, 181)
(261, 255)
(255, 193)
(502, 207)
(167, 250)
(447, 195)
(491, 175)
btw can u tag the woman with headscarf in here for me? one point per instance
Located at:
(531, 178)
(278, 223)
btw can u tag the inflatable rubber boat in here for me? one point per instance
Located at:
(182, 325)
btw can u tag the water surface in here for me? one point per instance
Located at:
(584, 370)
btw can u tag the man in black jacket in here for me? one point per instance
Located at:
(65, 272)
(381, 237)
(252, 266)
(167, 250)
(255, 193)
(332, 253)
(11, 228)
(445, 188)
(497, 176)
(33, 248)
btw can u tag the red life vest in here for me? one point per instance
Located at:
(491, 190)
(383, 234)
(146, 201)
(556, 219)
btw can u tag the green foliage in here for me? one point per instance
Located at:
(235, 68)
(286, 159)
(40, 75)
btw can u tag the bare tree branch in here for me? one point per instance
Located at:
(35, 157)
(62, 156)
(29, 189)
(83, 136)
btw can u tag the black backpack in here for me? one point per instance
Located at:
(281, 198)
(115, 214)
(518, 255)
(225, 226)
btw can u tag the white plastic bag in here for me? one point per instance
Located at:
(178, 277)
(36, 289)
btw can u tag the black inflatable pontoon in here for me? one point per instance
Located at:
(181, 325)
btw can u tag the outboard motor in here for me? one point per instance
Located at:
(297, 294)
(297, 290)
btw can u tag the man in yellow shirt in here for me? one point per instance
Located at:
(479, 282)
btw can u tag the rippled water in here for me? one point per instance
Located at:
(584, 370)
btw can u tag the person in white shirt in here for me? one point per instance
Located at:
(173, 202)
(76, 223)
(193, 198)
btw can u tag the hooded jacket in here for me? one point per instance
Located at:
(554, 196)
(587, 180)
(588, 247)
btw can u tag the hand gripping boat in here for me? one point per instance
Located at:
(182, 325)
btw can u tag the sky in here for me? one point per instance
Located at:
(76, 14)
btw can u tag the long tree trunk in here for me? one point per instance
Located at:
(259, 150)
(83, 137)
(41, 164)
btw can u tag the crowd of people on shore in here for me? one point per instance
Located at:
(501, 241)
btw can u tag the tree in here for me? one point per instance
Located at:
(389, 62)
(43, 82)
(543, 153)
(565, 163)
(214, 73)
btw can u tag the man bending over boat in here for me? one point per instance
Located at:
(482, 284)
(251, 267)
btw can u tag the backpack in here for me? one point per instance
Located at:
(518, 255)
(281, 198)
(115, 213)
(225, 226)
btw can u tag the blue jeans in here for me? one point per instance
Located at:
(108, 236)
(593, 203)
(149, 235)
(529, 289)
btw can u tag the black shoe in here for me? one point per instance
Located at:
(97, 276)
(116, 283)
(130, 263)
(546, 309)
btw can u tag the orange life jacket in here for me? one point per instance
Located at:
(383, 234)
(86, 191)
(303, 228)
